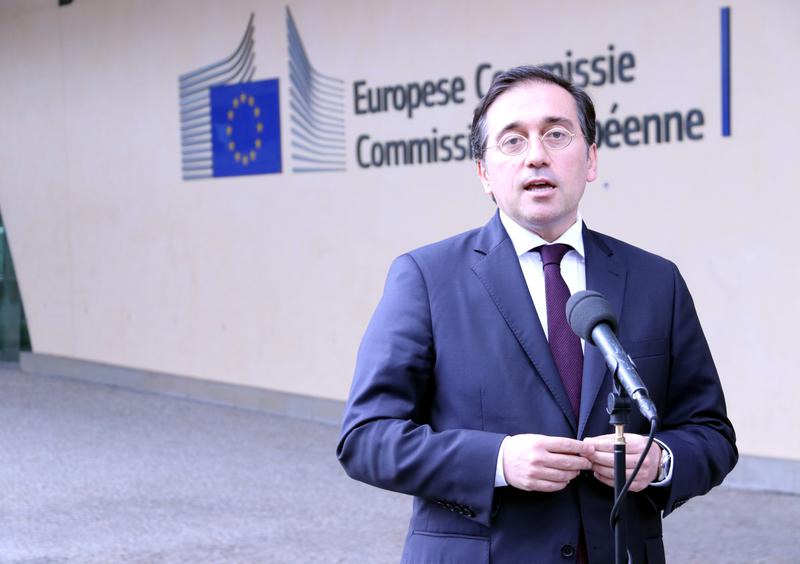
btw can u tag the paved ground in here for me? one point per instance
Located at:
(95, 474)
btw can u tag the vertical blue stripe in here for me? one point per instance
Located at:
(725, 22)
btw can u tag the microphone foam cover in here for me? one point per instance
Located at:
(585, 310)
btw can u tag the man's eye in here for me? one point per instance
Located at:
(513, 141)
(557, 134)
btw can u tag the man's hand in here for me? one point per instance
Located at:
(603, 459)
(543, 463)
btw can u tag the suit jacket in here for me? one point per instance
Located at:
(455, 359)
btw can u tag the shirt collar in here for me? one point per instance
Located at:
(524, 240)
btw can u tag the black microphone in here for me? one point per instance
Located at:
(590, 316)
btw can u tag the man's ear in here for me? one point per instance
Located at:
(591, 168)
(483, 174)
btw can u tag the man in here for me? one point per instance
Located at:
(470, 395)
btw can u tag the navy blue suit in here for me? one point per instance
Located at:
(454, 359)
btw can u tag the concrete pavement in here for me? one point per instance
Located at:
(97, 474)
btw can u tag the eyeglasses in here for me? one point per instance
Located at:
(515, 144)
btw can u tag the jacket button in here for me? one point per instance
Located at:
(567, 551)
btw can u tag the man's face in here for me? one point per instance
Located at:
(541, 188)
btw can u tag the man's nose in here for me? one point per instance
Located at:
(537, 155)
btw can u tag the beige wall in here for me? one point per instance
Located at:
(269, 280)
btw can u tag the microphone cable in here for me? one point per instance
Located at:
(614, 517)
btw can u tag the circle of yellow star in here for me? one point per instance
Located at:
(244, 155)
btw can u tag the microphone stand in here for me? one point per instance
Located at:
(619, 408)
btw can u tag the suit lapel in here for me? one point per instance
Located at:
(499, 271)
(605, 275)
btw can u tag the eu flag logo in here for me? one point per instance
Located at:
(246, 128)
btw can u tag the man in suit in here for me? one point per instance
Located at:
(469, 395)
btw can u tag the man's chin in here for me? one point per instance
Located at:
(548, 227)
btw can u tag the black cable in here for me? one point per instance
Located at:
(618, 501)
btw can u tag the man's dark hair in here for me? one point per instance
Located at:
(528, 73)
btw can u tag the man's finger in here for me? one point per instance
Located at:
(608, 474)
(605, 443)
(544, 486)
(564, 445)
(607, 459)
(604, 480)
(554, 475)
(567, 461)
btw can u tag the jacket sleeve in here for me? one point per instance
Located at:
(387, 439)
(695, 425)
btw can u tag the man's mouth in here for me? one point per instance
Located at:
(539, 185)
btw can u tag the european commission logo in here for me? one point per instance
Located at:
(317, 111)
(245, 128)
(231, 126)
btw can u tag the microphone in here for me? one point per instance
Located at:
(590, 317)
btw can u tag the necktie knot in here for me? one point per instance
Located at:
(552, 254)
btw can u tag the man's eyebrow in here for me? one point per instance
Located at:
(509, 127)
(558, 120)
(547, 121)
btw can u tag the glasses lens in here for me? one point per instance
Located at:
(557, 138)
(513, 144)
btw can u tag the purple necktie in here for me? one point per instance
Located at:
(564, 344)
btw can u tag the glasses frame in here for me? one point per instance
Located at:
(539, 137)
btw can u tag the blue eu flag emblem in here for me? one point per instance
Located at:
(246, 128)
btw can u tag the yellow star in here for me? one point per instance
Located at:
(251, 100)
(252, 155)
(230, 115)
(245, 160)
(258, 143)
(238, 156)
(256, 111)
(228, 131)
(259, 127)
(242, 97)
(235, 103)
(231, 145)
